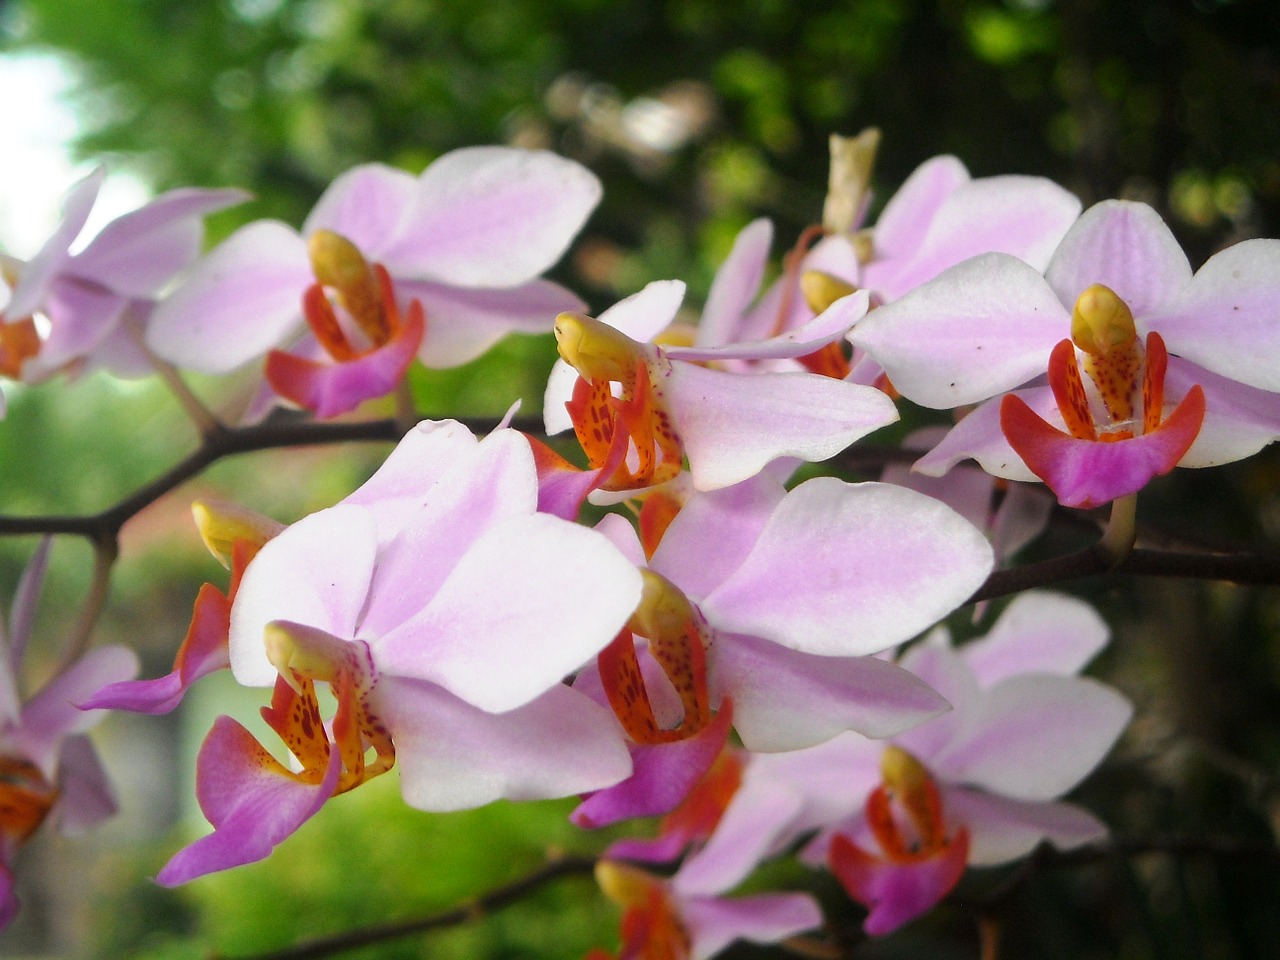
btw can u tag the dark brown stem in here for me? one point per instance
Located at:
(468, 912)
(217, 444)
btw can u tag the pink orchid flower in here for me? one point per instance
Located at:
(67, 310)
(46, 761)
(761, 609)
(639, 409)
(1172, 362)
(977, 786)
(938, 218)
(661, 920)
(466, 241)
(443, 612)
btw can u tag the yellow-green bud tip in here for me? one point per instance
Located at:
(1101, 321)
(821, 290)
(596, 350)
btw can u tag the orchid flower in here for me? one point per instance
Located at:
(760, 609)
(978, 785)
(464, 241)
(639, 409)
(662, 921)
(46, 761)
(420, 601)
(938, 218)
(1172, 362)
(66, 310)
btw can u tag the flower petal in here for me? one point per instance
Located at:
(1225, 318)
(237, 303)
(850, 569)
(203, 651)
(1088, 473)
(1125, 246)
(1001, 829)
(139, 253)
(367, 205)
(735, 285)
(1035, 736)
(463, 324)
(784, 700)
(1039, 632)
(453, 756)
(662, 776)
(253, 803)
(732, 425)
(510, 588)
(714, 923)
(332, 388)
(897, 893)
(316, 573)
(1022, 216)
(492, 217)
(983, 327)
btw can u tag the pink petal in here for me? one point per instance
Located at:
(1225, 318)
(1021, 216)
(492, 217)
(203, 651)
(714, 923)
(1039, 632)
(499, 631)
(1035, 736)
(367, 205)
(1125, 246)
(237, 303)
(896, 893)
(732, 425)
(52, 713)
(138, 253)
(828, 327)
(453, 756)
(36, 275)
(937, 664)
(979, 436)
(1001, 829)
(252, 802)
(757, 823)
(644, 315)
(735, 285)
(315, 573)
(85, 797)
(463, 324)
(908, 213)
(663, 775)
(1238, 420)
(714, 532)
(850, 569)
(784, 700)
(81, 316)
(983, 327)
(333, 388)
(424, 537)
(1088, 473)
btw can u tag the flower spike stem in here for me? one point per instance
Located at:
(201, 416)
(1117, 540)
(105, 552)
(480, 906)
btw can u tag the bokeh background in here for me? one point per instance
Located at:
(699, 115)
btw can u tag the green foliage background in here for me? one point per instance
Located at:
(1175, 103)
